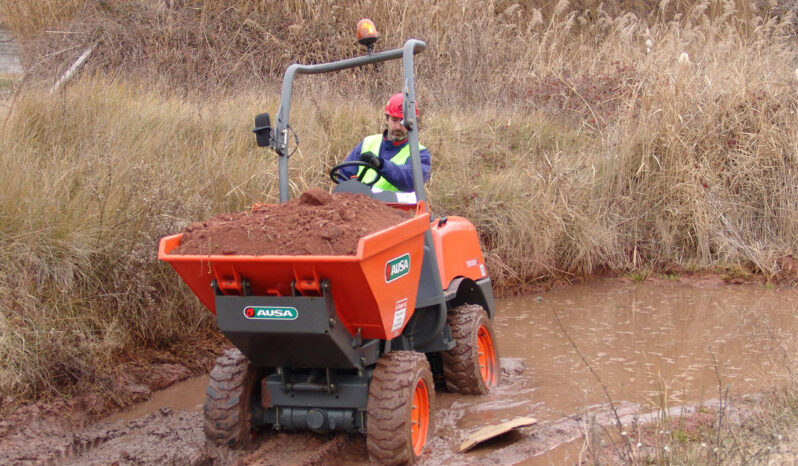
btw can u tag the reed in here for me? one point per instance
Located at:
(27, 19)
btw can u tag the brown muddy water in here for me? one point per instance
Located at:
(189, 394)
(652, 345)
(645, 342)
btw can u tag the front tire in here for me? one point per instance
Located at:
(228, 401)
(472, 367)
(399, 407)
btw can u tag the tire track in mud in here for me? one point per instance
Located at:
(177, 437)
(166, 436)
(304, 450)
(163, 437)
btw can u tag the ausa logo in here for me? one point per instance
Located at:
(397, 267)
(270, 313)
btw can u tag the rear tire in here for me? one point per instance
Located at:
(228, 401)
(472, 367)
(398, 412)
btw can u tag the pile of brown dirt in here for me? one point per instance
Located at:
(318, 223)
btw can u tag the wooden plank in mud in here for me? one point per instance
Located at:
(489, 432)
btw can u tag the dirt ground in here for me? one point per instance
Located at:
(60, 433)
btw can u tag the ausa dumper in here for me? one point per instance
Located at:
(353, 343)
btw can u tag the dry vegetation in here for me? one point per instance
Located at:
(577, 138)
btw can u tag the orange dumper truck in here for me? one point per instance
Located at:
(354, 343)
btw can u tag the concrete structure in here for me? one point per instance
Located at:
(9, 54)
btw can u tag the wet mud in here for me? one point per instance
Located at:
(649, 345)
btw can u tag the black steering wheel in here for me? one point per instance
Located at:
(337, 177)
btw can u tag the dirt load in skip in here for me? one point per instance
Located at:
(318, 223)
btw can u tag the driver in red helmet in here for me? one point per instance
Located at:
(388, 154)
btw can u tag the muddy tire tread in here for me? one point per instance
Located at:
(461, 364)
(393, 382)
(227, 402)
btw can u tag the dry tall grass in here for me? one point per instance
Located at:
(575, 138)
(28, 19)
(91, 180)
(480, 51)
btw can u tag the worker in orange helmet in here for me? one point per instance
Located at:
(388, 154)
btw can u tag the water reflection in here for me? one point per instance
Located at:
(646, 342)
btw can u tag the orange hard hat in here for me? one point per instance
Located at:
(394, 106)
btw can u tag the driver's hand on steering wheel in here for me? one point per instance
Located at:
(371, 159)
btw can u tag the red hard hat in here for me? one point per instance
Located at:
(394, 106)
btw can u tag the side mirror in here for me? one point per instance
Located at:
(263, 130)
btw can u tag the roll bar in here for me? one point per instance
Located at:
(279, 140)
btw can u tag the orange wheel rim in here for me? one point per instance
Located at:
(487, 356)
(419, 417)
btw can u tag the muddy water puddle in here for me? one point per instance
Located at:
(645, 342)
(188, 394)
(650, 344)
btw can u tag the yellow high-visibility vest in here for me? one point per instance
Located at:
(372, 144)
